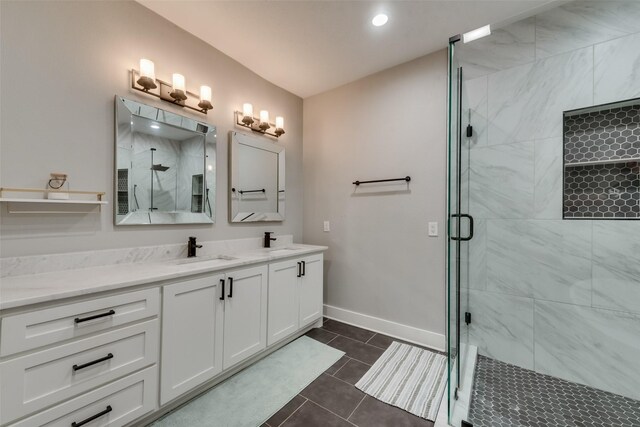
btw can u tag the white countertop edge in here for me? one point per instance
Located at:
(20, 291)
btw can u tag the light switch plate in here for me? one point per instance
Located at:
(327, 226)
(433, 229)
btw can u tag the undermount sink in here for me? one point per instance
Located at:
(210, 258)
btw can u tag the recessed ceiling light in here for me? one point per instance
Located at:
(379, 20)
(155, 127)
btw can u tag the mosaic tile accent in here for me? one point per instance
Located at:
(505, 395)
(598, 183)
(602, 191)
(610, 134)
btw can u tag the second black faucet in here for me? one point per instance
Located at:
(191, 247)
(268, 239)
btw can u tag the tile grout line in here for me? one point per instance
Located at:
(367, 341)
(357, 406)
(338, 370)
(296, 410)
(330, 411)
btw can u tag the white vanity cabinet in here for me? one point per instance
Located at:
(295, 295)
(192, 332)
(209, 324)
(54, 358)
(121, 357)
(311, 284)
(245, 314)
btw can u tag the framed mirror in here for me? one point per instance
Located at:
(256, 179)
(165, 167)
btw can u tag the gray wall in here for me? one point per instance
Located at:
(560, 297)
(62, 64)
(380, 261)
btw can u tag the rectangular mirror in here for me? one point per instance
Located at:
(165, 167)
(257, 184)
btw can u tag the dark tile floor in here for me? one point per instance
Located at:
(332, 400)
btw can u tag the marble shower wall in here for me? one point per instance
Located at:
(559, 297)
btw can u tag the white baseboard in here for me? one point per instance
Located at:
(396, 330)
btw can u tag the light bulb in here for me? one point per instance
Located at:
(205, 98)
(178, 82)
(147, 69)
(279, 126)
(205, 93)
(247, 110)
(264, 120)
(247, 114)
(147, 75)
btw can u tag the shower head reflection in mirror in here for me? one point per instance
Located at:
(161, 167)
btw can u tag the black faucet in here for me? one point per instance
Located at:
(268, 239)
(191, 247)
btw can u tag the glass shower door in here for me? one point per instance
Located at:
(460, 231)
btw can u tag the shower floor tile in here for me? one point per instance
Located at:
(505, 395)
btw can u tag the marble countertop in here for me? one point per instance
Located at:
(19, 291)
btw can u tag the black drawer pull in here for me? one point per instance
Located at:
(304, 268)
(230, 287)
(91, 418)
(86, 365)
(222, 293)
(299, 269)
(97, 316)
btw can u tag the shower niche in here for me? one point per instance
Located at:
(602, 161)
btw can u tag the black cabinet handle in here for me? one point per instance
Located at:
(299, 269)
(470, 236)
(91, 418)
(86, 365)
(222, 293)
(304, 268)
(97, 316)
(230, 287)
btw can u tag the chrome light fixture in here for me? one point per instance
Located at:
(175, 93)
(260, 124)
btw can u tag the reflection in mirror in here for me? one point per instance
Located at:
(257, 191)
(165, 167)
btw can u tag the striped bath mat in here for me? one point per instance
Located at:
(408, 377)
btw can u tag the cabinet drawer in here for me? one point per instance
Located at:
(128, 399)
(44, 378)
(35, 329)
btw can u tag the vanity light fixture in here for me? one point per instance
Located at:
(245, 118)
(175, 93)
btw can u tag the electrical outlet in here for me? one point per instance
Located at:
(433, 229)
(327, 226)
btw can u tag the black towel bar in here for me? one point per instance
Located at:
(406, 178)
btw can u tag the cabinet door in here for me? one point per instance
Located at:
(245, 314)
(311, 290)
(283, 300)
(192, 334)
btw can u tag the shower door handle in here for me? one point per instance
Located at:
(470, 236)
